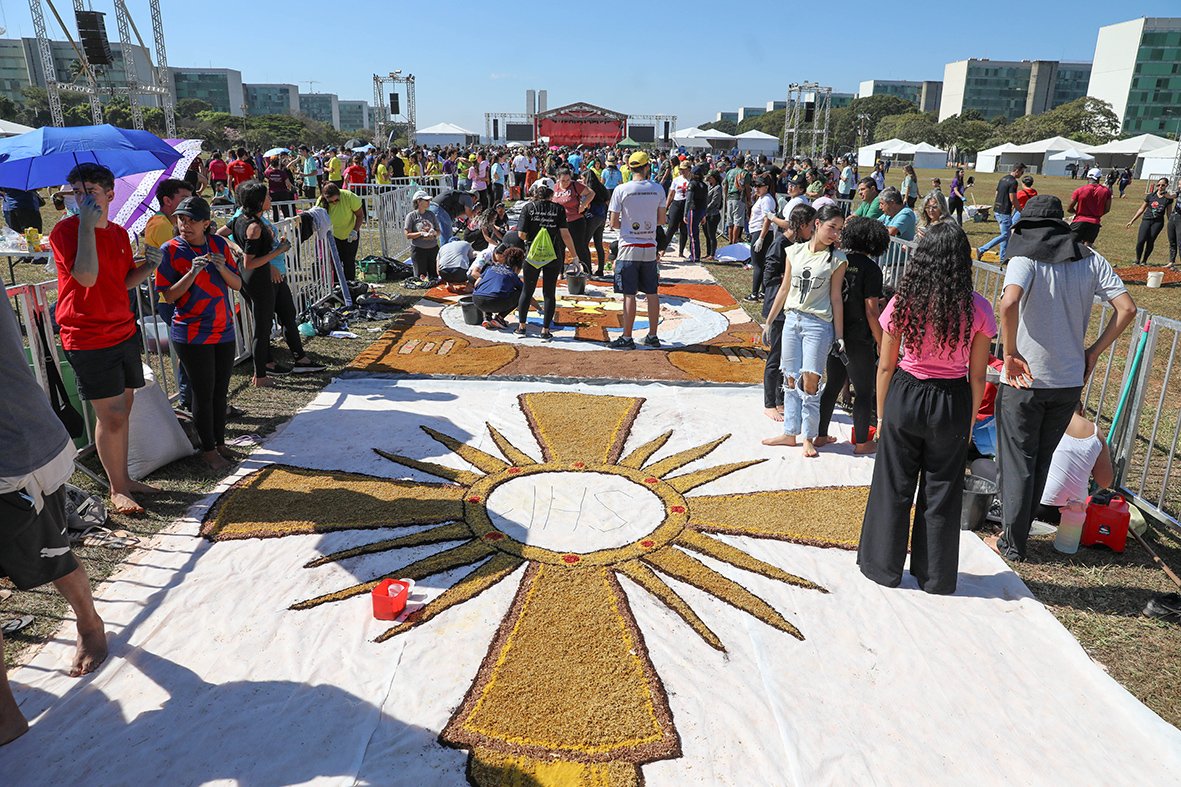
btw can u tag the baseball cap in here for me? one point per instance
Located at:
(195, 208)
(638, 159)
(611, 159)
(800, 182)
(684, 164)
(1094, 173)
(420, 194)
(547, 182)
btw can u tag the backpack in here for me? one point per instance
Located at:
(541, 250)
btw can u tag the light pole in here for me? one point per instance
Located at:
(245, 128)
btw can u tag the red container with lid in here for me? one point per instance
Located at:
(389, 598)
(1107, 522)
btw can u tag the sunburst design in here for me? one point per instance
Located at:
(567, 692)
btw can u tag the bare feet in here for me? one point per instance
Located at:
(12, 723)
(991, 542)
(783, 439)
(773, 413)
(215, 461)
(140, 488)
(810, 449)
(864, 449)
(92, 650)
(226, 453)
(823, 440)
(262, 382)
(122, 503)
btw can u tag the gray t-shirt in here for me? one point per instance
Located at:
(1055, 308)
(30, 432)
(456, 254)
(417, 222)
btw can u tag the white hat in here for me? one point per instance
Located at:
(1094, 173)
(420, 194)
(547, 182)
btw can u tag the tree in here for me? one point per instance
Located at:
(769, 123)
(725, 126)
(969, 135)
(847, 120)
(190, 107)
(911, 126)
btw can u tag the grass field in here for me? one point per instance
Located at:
(1096, 594)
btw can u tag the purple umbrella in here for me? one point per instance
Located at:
(135, 195)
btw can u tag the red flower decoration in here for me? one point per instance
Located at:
(474, 499)
(677, 509)
(647, 543)
(514, 470)
(580, 465)
(493, 536)
(571, 559)
(651, 480)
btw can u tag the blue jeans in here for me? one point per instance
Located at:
(806, 344)
(1006, 222)
(444, 223)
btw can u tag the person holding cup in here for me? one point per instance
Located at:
(196, 273)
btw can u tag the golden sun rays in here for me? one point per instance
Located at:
(567, 682)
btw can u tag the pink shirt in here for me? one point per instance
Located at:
(936, 362)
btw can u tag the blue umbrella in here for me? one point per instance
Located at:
(44, 157)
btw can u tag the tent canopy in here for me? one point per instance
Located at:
(447, 128)
(1133, 146)
(628, 142)
(1070, 154)
(10, 129)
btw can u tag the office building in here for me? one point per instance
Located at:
(20, 67)
(840, 100)
(1137, 70)
(1010, 89)
(275, 99)
(730, 116)
(750, 112)
(324, 107)
(221, 88)
(910, 91)
(773, 106)
(931, 96)
(355, 115)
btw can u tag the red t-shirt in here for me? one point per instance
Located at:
(354, 173)
(1092, 200)
(1023, 196)
(217, 169)
(239, 172)
(570, 199)
(93, 318)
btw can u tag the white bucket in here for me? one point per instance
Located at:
(1156, 279)
(155, 332)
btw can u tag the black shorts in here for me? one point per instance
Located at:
(34, 548)
(105, 373)
(1084, 231)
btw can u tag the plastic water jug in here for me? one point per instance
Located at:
(1108, 516)
(1070, 528)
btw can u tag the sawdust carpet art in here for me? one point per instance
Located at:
(567, 693)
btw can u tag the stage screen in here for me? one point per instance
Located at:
(518, 132)
(642, 134)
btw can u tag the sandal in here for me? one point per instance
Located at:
(97, 536)
(520, 330)
(16, 624)
(546, 335)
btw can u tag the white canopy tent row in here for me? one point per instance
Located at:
(868, 155)
(1157, 163)
(1036, 156)
(1130, 152)
(757, 142)
(442, 134)
(702, 139)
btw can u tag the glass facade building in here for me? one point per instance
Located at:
(1011, 89)
(221, 88)
(355, 115)
(271, 99)
(20, 67)
(324, 107)
(1138, 71)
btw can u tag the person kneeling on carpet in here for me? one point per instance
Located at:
(454, 260)
(926, 411)
(498, 290)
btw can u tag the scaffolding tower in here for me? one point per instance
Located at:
(798, 138)
(383, 110)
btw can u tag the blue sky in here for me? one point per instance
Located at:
(706, 62)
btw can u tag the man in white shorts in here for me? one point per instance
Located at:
(637, 208)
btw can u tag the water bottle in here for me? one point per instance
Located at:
(1070, 528)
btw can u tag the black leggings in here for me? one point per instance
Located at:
(348, 257)
(578, 229)
(260, 291)
(758, 259)
(209, 367)
(676, 223)
(772, 373)
(425, 262)
(955, 206)
(594, 234)
(548, 274)
(1146, 240)
(496, 306)
(694, 228)
(1174, 236)
(712, 220)
(861, 371)
(286, 315)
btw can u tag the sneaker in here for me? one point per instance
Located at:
(307, 368)
(278, 370)
(1166, 606)
(651, 341)
(489, 325)
(234, 412)
(622, 343)
(752, 298)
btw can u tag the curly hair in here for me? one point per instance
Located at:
(934, 300)
(863, 235)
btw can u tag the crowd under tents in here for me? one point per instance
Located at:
(1130, 152)
(443, 134)
(1038, 157)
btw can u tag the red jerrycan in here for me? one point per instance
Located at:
(1107, 521)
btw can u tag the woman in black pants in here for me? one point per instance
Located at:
(596, 219)
(575, 198)
(1153, 213)
(927, 402)
(696, 199)
(540, 215)
(1174, 229)
(256, 270)
(713, 213)
(863, 240)
(799, 229)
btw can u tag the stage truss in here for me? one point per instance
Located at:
(814, 141)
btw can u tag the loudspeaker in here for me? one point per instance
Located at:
(495, 128)
(394, 103)
(93, 32)
(666, 131)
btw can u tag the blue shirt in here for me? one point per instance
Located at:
(497, 281)
(611, 177)
(280, 262)
(575, 162)
(904, 221)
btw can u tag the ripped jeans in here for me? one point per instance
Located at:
(806, 343)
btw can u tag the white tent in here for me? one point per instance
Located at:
(10, 129)
(694, 137)
(1157, 163)
(920, 156)
(755, 141)
(1063, 158)
(1034, 155)
(442, 134)
(868, 156)
(1128, 152)
(986, 160)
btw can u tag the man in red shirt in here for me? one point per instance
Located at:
(1089, 204)
(95, 270)
(240, 170)
(217, 171)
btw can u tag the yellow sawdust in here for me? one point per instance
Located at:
(283, 501)
(824, 517)
(489, 768)
(573, 427)
(404, 351)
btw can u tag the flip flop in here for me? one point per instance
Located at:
(96, 536)
(16, 624)
(5, 594)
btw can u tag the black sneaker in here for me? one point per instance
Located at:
(622, 343)
(753, 298)
(234, 412)
(651, 341)
(307, 368)
(1166, 606)
(278, 370)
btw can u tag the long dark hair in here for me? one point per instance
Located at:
(252, 195)
(934, 299)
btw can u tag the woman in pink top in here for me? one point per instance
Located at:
(926, 402)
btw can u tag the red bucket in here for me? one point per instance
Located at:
(389, 598)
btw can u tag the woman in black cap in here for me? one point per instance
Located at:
(696, 200)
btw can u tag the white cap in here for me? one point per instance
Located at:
(547, 182)
(420, 194)
(1094, 173)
